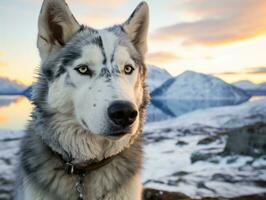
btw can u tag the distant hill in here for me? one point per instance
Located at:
(156, 76)
(251, 88)
(10, 87)
(28, 92)
(192, 91)
(193, 85)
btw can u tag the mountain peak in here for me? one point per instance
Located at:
(194, 85)
(156, 76)
(8, 86)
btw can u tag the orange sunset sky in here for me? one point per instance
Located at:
(226, 38)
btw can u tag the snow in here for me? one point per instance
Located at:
(193, 85)
(226, 116)
(168, 166)
(171, 144)
(252, 88)
(168, 150)
(192, 91)
(155, 114)
(10, 87)
(156, 76)
(9, 148)
(245, 85)
(248, 85)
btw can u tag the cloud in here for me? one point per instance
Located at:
(100, 3)
(2, 63)
(218, 22)
(246, 71)
(227, 73)
(162, 57)
(101, 20)
(256, 70)
(95, 3)
(3, 119)
(2, 53)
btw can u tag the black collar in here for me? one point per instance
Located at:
(71, 168)
(81, 169)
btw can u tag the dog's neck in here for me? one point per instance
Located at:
(66, 137)
(80, 168)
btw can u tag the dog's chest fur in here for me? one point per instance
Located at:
(41, 180)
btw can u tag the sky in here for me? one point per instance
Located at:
(225, 38)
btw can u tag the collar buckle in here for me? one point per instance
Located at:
(69, 168)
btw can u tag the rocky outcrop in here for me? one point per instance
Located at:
(152, 194)
(249, 140)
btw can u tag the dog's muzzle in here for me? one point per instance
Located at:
(122, 115)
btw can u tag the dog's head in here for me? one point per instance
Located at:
(97, 76)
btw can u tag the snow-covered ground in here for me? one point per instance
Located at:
(9, 149)
(176, 161)
(182, 154)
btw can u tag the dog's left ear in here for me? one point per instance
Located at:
(137, 27)
(56, 27)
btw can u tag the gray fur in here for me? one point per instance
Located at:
(48, 133)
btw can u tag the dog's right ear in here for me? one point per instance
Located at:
(56, 27)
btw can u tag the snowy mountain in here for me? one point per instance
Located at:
(193, 85)
(28, 92)
(8, 87)
(156, 76)
(251, 88)
(192, 91)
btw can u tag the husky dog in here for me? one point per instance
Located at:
(83, 141)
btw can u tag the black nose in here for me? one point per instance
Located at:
(122, 113)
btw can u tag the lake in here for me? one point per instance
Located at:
(15, 110)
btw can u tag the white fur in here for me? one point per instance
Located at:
(93, 94)
(88, 99)
(109, 42)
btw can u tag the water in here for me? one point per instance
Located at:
(15, 110)
(254, 98)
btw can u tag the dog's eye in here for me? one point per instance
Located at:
(128, 69)
(84, 70)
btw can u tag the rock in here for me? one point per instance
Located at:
(153, 194)
(181, 143)
(248, 140)
(207, 140)
(222, 177)
(201, 156)
(180, 173)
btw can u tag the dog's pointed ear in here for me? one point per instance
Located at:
(56, 27)
(137, 27)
